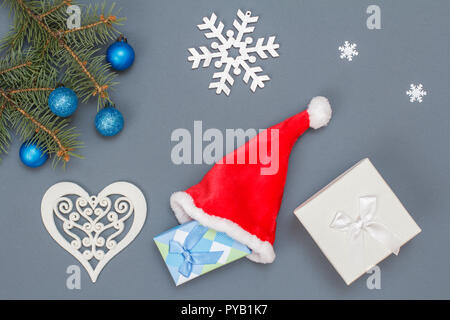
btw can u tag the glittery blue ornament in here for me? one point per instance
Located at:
(120, 54)
(32, 155)
(109, 121)
(63, 101)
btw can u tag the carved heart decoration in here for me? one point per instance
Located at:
(93, 228)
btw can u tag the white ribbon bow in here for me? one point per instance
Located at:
(365, 223)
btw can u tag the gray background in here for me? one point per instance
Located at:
(372, 117)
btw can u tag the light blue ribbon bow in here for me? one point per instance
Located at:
(193, 258)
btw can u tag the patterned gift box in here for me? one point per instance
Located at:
(190, 250)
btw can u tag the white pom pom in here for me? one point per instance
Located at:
(319, 111)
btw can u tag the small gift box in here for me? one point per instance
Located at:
(190, 250)
(357, 221)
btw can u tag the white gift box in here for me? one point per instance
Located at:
(357, 221)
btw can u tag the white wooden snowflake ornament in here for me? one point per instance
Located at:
(222, 49)
(93, 228)
(348, 51)
(416, 93)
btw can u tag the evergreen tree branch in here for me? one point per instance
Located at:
(26, 109)
(99, 35)
(55, 8)
(10, 92)
(4, 133)
(99, 89)
(63, 151)
(26, 64)
(107, 21)
(42, 52)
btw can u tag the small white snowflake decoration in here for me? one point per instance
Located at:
(222, 51)
(348, 51)
(416, 93)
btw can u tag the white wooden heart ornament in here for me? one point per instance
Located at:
(93, 228)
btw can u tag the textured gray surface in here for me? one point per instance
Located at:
(373, 117)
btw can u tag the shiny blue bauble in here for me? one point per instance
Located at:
(31, 155)
(63, 101)
(109, 121)
(120, 55)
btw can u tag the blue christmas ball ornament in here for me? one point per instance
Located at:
(120, 54)
(32, 155)
(63, 101)
(109, 121)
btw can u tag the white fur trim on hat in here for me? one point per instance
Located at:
(319, 111)
(185, 210)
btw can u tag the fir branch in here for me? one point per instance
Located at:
(107, 21)
(26, 64)
(63, 151)
(100, 89)
(28, 112)
(101, 34)
(17, 71)
(10, 92)
(5, 137)
(55, 8)
(40, 53)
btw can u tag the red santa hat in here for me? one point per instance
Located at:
(239, 199)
